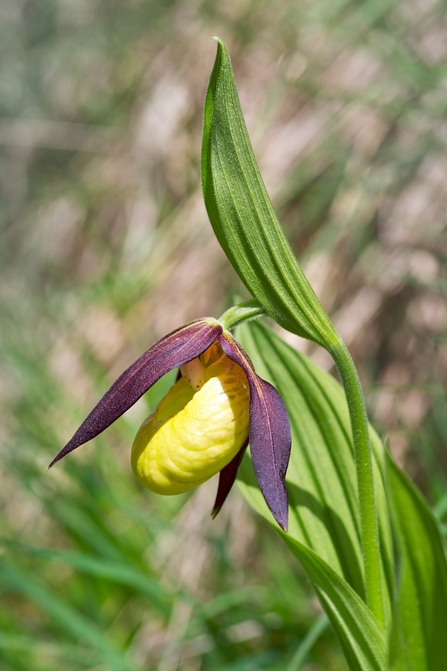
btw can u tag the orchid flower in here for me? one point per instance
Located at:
(205, 422)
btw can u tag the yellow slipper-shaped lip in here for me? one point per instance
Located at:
(197, 429)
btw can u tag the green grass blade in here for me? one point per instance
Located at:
(69, 619)
(45, 648)
(113, 571)
(309, 640)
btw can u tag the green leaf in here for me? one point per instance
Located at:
(243, 218)
(321, 483)
(418, 637)
(362, 639)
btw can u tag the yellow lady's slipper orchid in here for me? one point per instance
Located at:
(206, 420)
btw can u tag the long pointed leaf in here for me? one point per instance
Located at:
(321, 475)
(242, 215)
(418, 639)
(362, 639)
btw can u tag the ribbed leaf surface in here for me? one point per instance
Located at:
(243, 218)
(321, 484)
(362, 639)
(418, 640)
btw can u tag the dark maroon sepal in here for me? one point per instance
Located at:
(269, 437)
(227, 476)
(171, 351)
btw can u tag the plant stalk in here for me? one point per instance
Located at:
(239, 314)
(369, 525)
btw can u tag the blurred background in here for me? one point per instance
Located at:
(105, 247)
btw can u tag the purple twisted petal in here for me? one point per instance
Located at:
(171, 351)
(269, 437)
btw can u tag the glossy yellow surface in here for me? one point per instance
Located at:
(197, 429)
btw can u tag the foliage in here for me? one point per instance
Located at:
(376, 627)
(321, 538)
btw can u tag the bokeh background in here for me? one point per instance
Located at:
(105, 246)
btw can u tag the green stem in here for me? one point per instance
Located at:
(369, 525)
(244, 312)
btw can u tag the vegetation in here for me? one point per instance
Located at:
(106, 246)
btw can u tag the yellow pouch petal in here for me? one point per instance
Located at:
(194, 432)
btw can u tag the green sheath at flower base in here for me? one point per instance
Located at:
(243, 218)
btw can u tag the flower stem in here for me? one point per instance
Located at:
(369, 525)
(244, 312)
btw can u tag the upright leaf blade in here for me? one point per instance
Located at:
(321, 475)
(418, 637)
(321, 482)
(243, 218)
(362, 639)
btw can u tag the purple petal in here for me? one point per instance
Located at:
(270, 437)
(227, 476)
(171, 351)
